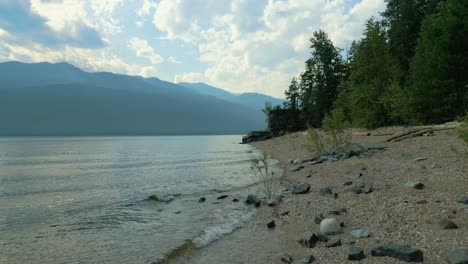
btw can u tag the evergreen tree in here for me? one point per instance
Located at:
(439, 74)
(373, 73)
(319, 83)
(292, 95)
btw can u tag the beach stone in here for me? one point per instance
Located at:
(222, 197)
(414, 184)
(404, 253)
(235, 200)
(442, 222)
(368, 188)
(334, 242)
(271, 224)
(360, 233)
(458, 256)
(274, 200)
(330, 226)
(307, 259)
(308, 239)
(322, 237)
(348, 183)
(296, 169)
(355, 253)
(253, 199)
(202, 199)
(334, 212)
(286, 258)
(422, 202)
(421, 158)
(290, 161)
(301, 188)
(353, 175)
(164, 199)
(326, 191)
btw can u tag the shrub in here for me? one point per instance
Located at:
(462, 131)
(266, 178)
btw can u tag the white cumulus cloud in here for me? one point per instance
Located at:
(144, 50)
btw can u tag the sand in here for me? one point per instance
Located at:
(390, 212)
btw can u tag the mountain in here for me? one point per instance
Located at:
(61, 99)
(253, 100)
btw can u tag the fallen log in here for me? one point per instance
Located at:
(361, 134)
(419, 131)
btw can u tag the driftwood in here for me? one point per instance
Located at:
(422, 130)
(361, 134)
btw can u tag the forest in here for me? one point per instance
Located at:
(409, 68)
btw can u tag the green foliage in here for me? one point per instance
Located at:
(335, 135)
(266, 178)
(373, 74)
(320, 81)
(438, 75)
(292, 95)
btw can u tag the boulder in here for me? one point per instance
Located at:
(334, 242)
(252, 199)
(308, 239)
(360, 233)
(271, 224)
(255, 136)
(404, 253)
(355, 253)
(307, 259)
(301, 188)
(202, 199)
(322, 237)
(222, 197)
(458, 256)
(330, 226)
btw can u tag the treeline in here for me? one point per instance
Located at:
(410, 67)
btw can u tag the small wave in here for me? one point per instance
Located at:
(214, 233)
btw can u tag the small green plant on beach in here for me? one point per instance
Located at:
(335, 135)
(268, 182)
(462, 131)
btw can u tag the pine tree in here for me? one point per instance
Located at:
(439, 74)
(373, 73)
(292, 95)
(319, 83)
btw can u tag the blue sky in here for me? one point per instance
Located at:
(238, 45)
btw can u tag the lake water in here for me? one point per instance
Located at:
(84, 199)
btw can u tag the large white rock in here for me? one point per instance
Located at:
(330, 226)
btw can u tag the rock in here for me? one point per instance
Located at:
(307, 259)
(290, 161)
(326, 191)
(458, 256)
(368, 188)
(353, 175)
(463, 200)
(355, 253)
(286, 258)
(308, 239)
(318, 218)
(334, 212)
(360, 233)
(252, 199)
(334, 242)
(330, 226)
(202, 199)
(301, 188)
(348, 183)
(442, 222)
(421, 158)
(271, 224)
(404, 253)
(222, 197)
(153, 198)
(296, 169)
(164, 199)
(322, 237)
(255, 136)
(274, 200)
(285, 213)
(235, 200)
(422, 202)
(414, 184)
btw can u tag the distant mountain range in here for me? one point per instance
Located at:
(60, 99)
(254, 100)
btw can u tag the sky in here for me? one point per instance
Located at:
(237, 45)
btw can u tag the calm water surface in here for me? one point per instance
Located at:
(83, 200)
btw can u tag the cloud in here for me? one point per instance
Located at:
(173, 60)
(191, 77)
(23, 19)
(144, 50)
(259, 46)
(146, 8)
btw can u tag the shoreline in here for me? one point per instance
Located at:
(392, 212)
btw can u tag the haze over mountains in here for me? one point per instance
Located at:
(60, 99)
